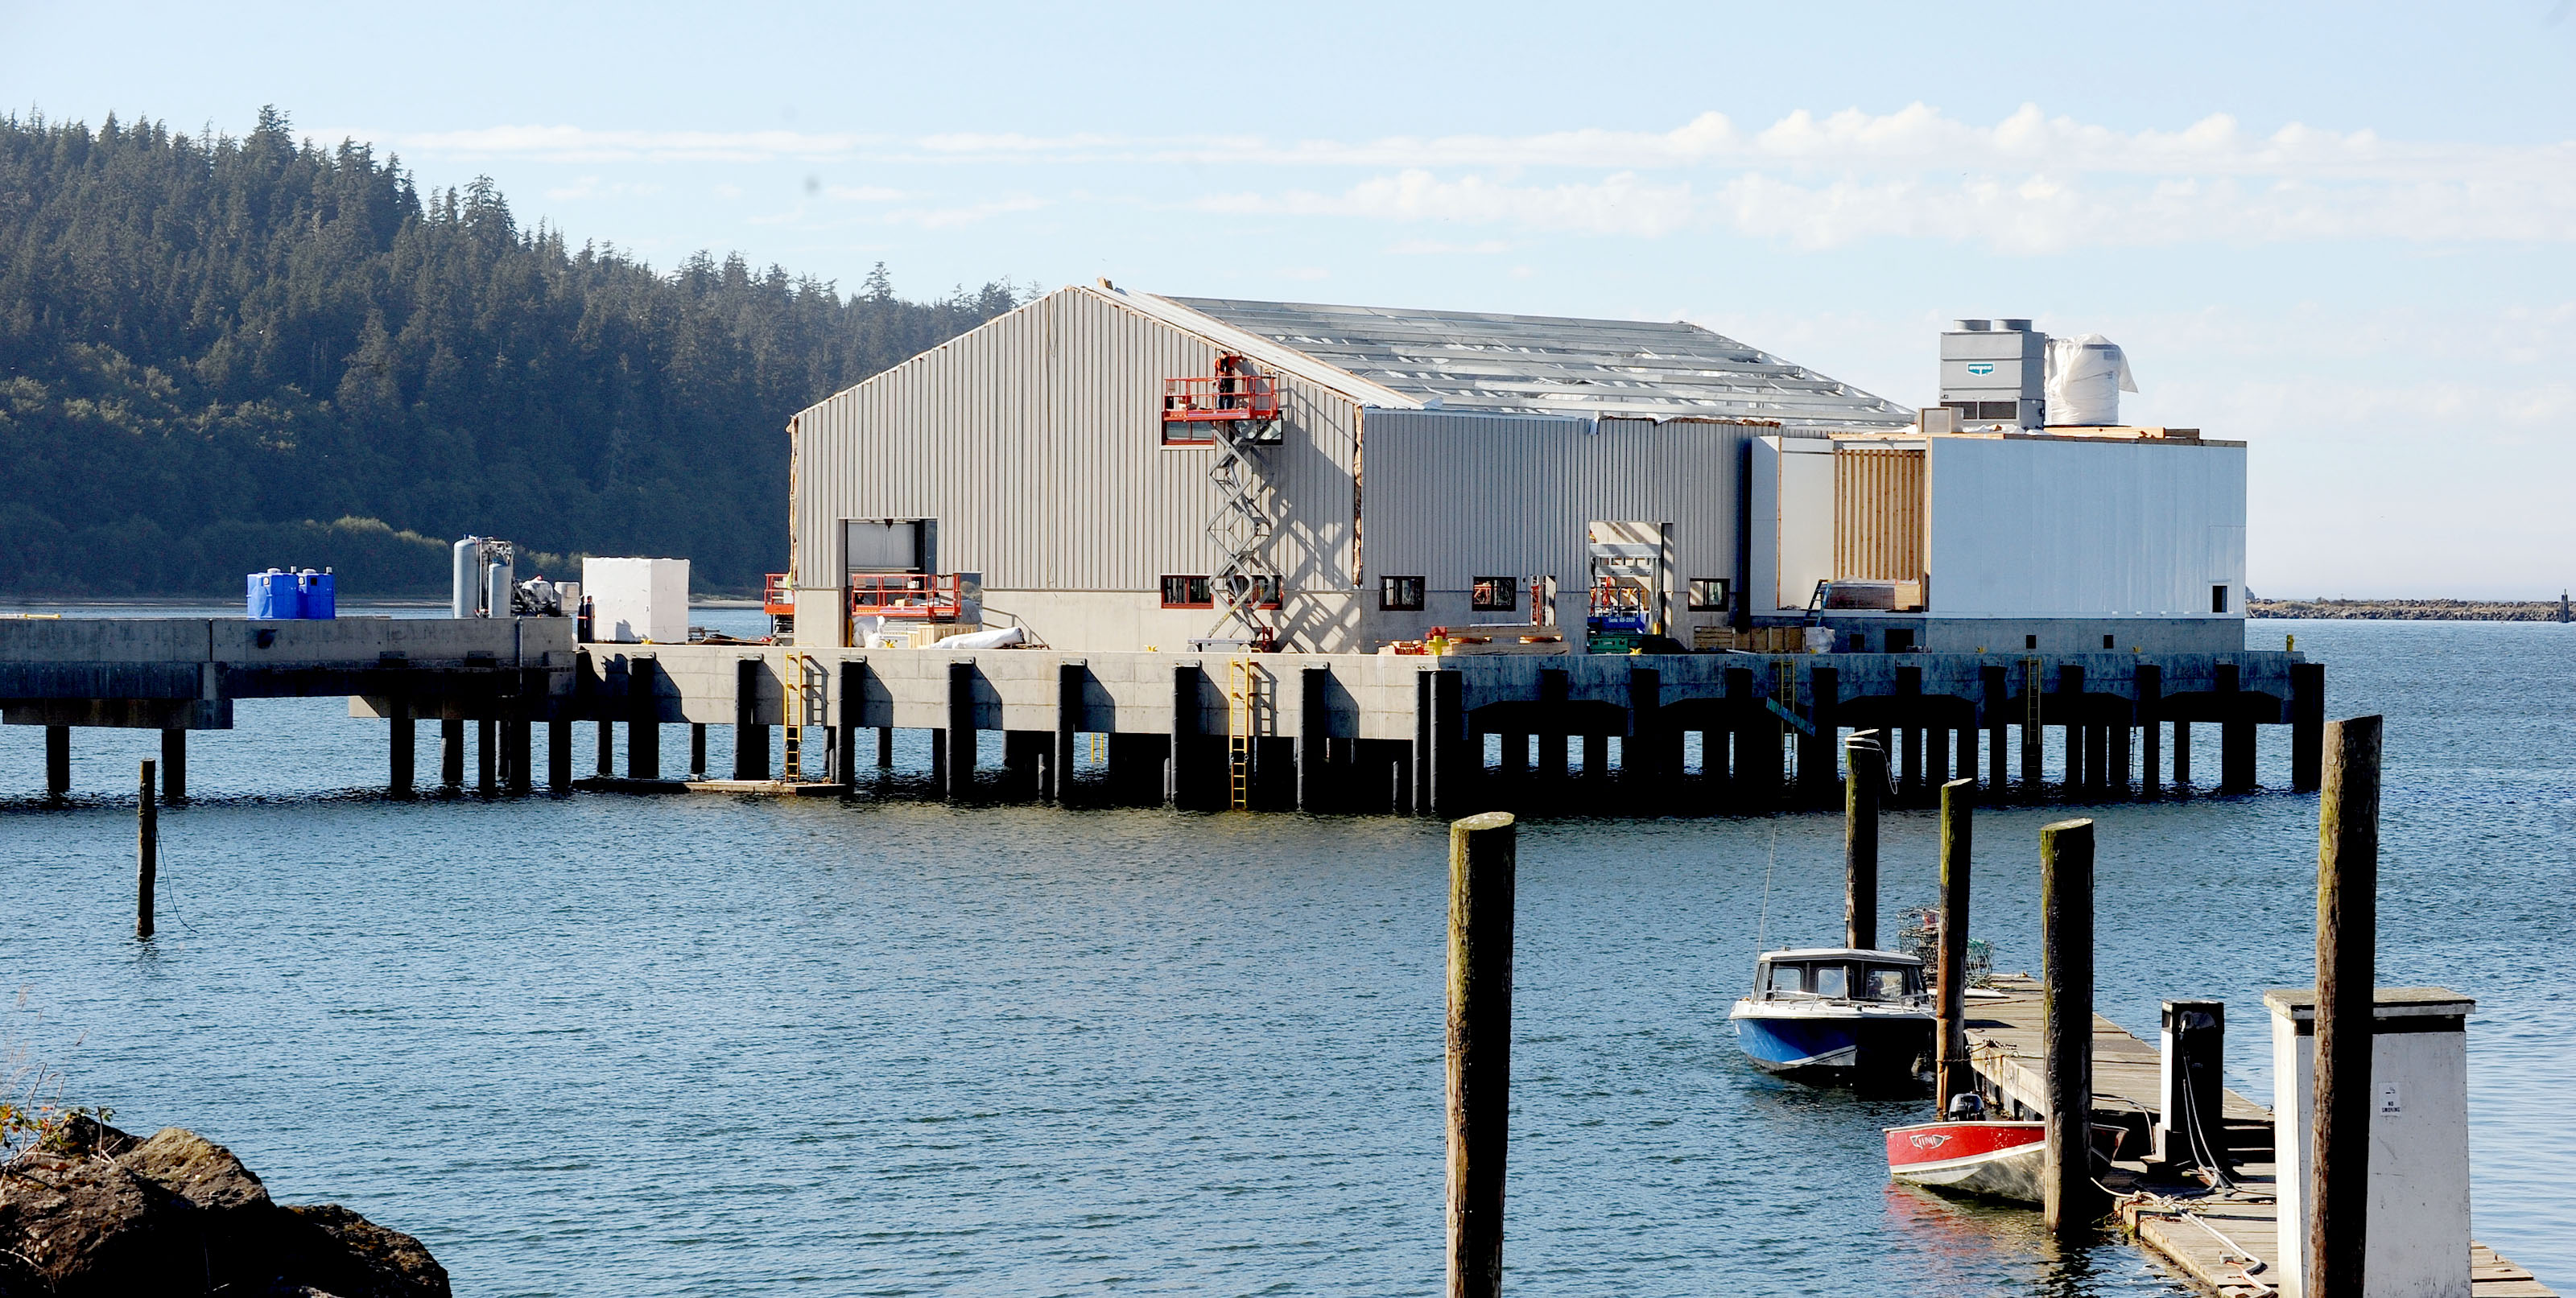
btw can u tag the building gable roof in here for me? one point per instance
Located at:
(1520, 364)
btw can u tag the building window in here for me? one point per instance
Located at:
(1256, 592)
(1708, 594)
(1178, 432)
(1492, 594)
(1187, 592)
(1400, 594)
(2218, 598)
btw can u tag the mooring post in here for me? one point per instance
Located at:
(174, 765)
(1483, 864)
(1816, 755)
(643, 721)
(2151, 716)
(1952, 1072)
(2071, 719)
(957, 776)
(399, 741)
(1313, 725)
(451, 752)
(559, 754)
(2307, 724)
(2347, 992)
(1990, 679)
(147, 854)
(1867, 759)
(2235, 733)
(1453, 765)
(2070, 1205)
(58, 762)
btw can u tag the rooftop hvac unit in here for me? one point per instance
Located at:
(1995, 372)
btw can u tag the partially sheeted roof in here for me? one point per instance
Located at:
(1525, 364)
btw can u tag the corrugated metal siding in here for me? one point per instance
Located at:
(1035, 442)
(1878, 513)
(1456, 496)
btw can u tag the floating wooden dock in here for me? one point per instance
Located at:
(2226, 1242)
(1681, 734)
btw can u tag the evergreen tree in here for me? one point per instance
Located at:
(218, 355)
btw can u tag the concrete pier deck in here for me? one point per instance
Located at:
(1684, 733)
(2224, 1241)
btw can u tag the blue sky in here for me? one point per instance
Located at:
(2342, 234)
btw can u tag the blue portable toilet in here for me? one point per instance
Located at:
(272, 595)
(314, 596)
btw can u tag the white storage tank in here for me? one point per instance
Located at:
(2085, 379)
(634, 600)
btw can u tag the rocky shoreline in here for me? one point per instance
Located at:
(2409, 610)
(99, 1212)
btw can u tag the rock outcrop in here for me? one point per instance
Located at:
(105, 1213)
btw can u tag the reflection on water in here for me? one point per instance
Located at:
(630, 1046)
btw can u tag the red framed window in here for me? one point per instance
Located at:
(1400, 594)
(1188, 592)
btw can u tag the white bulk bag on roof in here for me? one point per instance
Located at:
(2085, 379)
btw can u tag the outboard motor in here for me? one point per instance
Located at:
(1966, 1106)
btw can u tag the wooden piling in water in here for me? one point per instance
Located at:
(559, 754)
(451, 752)
(1866, 760)
(957, 772)
(58, 762)
(1454, 763)
(643, 722)
(400, 740)
(849, 704)
(2235, 733)
(174, 766)
(1068, 729)
(2151, 713)
(147, 854)
(1483, 864)
(2347, 992)
(1951, 1071)
(2070, 720)
(1312, 719)
(1990, 680)
(1907, 734)
(2071, 1203)
(1816, 755)
(2307, 724)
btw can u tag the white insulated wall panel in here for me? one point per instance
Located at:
(2048, 528)
(637, 599)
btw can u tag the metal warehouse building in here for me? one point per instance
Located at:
(1112, 470)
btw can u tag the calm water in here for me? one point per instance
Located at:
(621, 1046)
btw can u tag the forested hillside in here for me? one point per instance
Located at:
(219, 355)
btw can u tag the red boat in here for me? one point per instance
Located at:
(2001, 1160)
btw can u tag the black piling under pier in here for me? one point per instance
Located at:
(956, 744)
(643, 721)
(58, 762)
(401, 740)
(2307, 725)
(451, 752)
(1990, 683)
(559, 754)
(698, 751)
(174, 766)
(2151, 711)
(2235, 734)
(1069, 680)
(486, 758)
(2070, 720)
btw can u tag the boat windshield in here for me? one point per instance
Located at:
(1827, 980)
(1787, 979)
(1885, 982)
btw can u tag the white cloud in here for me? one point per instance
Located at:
(1439, 248)
(585, 144)
(941, 218)
(864, 193)
(591, 187)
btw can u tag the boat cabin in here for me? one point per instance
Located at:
(1839, 973)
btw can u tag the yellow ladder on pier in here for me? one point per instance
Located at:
(792, 708)
(1239, 686)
